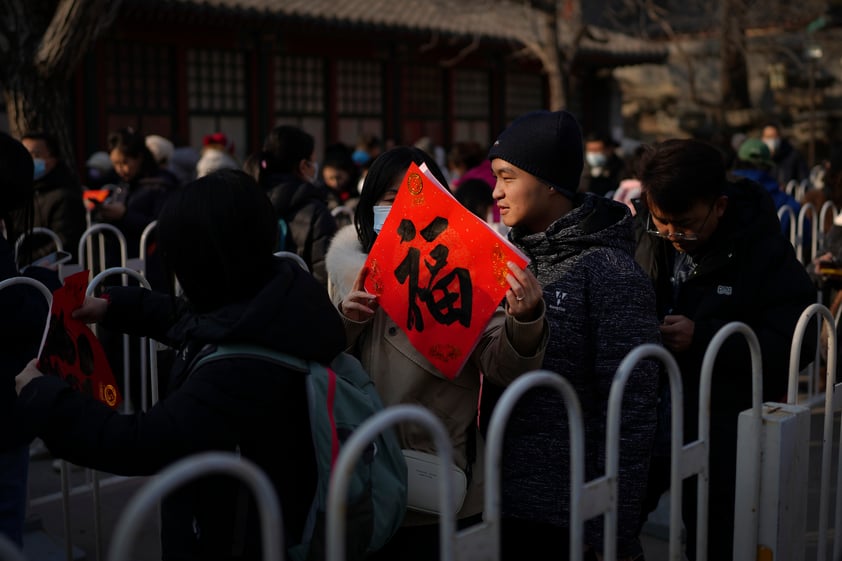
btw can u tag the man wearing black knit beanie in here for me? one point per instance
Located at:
(600, 306)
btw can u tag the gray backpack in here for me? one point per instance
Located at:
(341, 396)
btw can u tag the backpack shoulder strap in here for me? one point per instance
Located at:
(283, 232)
(248, 350)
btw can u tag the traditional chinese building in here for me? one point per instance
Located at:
(400, 69)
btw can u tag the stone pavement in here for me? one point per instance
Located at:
(45, 539)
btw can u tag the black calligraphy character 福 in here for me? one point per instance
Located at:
(445, 302)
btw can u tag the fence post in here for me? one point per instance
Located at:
(350, 453)
(186, 469)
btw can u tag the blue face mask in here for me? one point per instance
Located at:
(40, 168)
(380, 214)
(595, 159)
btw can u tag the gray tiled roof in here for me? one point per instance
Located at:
(493, 19)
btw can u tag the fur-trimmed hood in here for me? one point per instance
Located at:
(345, 258)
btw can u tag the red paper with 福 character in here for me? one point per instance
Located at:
(438, 270)
(70, 350)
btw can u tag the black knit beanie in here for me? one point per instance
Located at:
(15, 174)
(547, 144)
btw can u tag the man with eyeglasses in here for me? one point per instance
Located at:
(715, 252)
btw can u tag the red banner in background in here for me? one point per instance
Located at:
(439, 271)
(70, 350)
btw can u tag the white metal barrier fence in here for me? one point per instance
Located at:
(187, 469)
(598, 496)
(832, 404)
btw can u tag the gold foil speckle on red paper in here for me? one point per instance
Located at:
(499, 264)
(446, 352)
(415, 183)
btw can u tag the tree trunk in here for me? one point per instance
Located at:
(41, 44)
(33, 103)
(553, 65)
(734, 71)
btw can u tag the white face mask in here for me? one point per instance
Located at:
(772, 143)
(595, 159)
(380, 214)
(315, 173)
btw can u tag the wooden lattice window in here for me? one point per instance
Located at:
(299, 85)
(470, 94)
(359, 87)
(524, 93)
(216, 81)
(138, 77)
(423, 94)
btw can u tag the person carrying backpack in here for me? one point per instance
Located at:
(217, 236)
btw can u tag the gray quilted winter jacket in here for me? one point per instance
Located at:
(600, 306)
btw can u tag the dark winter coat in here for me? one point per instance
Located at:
(600, 306)
(789, 163)
(248, 404)
(22, 322)
(779, 197)
(606, 181)
(144, 198)
(310, 224)
(746, 272)
(58, 206)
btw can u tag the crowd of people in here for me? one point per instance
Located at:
(664, 245)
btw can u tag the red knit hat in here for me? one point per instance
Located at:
(218, 139)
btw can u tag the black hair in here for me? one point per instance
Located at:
(338, 155)
(217, 235)
(601, 136)
(284, 148)
(49, 140)
(16, 190)
(251, 165)
(467, 153)
(475, 195)
(386, 171)
(131, 143)
(632, 163)
(676, 174)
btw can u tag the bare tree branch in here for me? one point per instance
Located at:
(431, 44)
(465, 51)
(69, 34)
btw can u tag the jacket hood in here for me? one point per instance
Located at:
(291, 314)
(594, 222)
(288, 193)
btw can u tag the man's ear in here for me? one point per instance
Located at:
(720, 205)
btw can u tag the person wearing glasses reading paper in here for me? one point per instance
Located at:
(714, 250)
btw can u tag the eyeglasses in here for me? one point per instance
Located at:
(687, 235)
